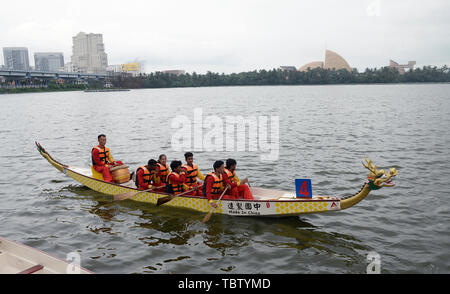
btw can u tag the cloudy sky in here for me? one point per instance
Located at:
(236, 35)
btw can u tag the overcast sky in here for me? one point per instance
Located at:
(236, 35)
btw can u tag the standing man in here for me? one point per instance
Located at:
(102, 159)
(215, 183)
(242, 190)
(146, 175)
(192, 173)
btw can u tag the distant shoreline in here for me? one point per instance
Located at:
(34, 90)
(46, 90)
(277, 77)
(274, 77)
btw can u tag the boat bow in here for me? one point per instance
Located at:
(376, 180)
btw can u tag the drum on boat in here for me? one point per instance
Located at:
(120, 174)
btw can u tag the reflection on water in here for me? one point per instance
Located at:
(224, 234)
(325, 132)
(166, 227)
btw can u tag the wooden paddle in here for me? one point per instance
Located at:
(208, 216)
(123, 196)
(165, 199)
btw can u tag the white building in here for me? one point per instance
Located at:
(88, 53)
(48, 61)
(16, 58)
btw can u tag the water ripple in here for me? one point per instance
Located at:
(325, 132)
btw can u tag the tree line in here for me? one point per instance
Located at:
(316, 76)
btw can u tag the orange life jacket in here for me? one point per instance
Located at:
(217, 185)
(104, 154)
(191, 174)
(163, 172)
(148, 176)
(231, 175)
(174, 188)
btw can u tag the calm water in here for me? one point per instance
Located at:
(325, 132)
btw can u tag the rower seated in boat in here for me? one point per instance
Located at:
(146, 175)
(102, 159)
(242, 191)
(192, 173)
(176, 178)
(215, 182)
(162, 173)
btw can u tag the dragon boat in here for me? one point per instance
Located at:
(266, 202)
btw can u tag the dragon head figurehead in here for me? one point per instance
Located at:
(379, 178)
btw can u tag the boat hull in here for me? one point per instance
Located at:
(18, 258)
(272, 206)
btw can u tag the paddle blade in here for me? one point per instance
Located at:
(163, 200)
(207, 217)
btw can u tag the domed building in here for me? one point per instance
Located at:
(332, 61)
(311, 65)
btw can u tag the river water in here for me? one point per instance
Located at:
(324, 134)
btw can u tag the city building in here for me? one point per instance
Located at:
(288, 68)
(48, 61)
(88, 53)
(401, 67)
(332, 61)
(335, 61)
(16, 58)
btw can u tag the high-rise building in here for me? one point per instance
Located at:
(88, 53)
(48, 61)
(16, 58)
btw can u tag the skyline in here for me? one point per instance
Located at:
(231, 36)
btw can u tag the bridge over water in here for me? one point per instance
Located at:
(10, 74)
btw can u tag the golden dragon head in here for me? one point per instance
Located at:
(380, 178)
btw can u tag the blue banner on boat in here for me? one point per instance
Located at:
(303, 188)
